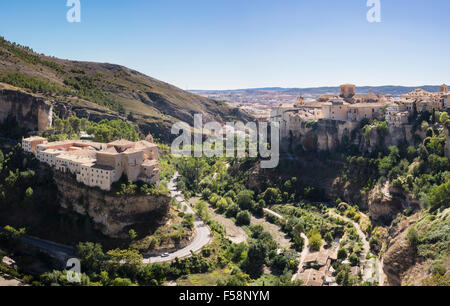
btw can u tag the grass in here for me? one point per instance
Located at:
(208, 279)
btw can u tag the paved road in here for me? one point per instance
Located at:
(202, 238)
(57, 250)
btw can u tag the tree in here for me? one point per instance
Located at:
(354, 260)
(256, 258)
(29, 193)
(342, 254)
(84, 123)
(67, 129)
(132, 234)
(127, 262)
(232, 211)
(315, 240)
(412, 153)
(243, 218)
(75, 123)
(121, 282)
(343, 276)
(222, 205)
(299, 242)
(238, 252)
(272, 196)
(91, 256)
(58, 126)
(328, 238)
(444, 117)
(439, 196)
(245, 199)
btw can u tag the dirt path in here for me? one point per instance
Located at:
(305, 250)
(233, 232)
(372, 266)
(303, 256)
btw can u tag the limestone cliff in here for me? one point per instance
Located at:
(33, 112)
(385, 201)
(112, 213)
(329, 135)
(324, 135)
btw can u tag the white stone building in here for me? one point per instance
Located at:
(98, 164)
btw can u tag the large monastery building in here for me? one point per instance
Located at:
(98, 164)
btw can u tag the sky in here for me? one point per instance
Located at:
(233, 44)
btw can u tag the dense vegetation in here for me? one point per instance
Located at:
(103, 131)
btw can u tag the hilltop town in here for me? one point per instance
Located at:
(98, 164)
(349, 106)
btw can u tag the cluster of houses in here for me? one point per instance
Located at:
(98, 164)
(317, 270)
(352, 107)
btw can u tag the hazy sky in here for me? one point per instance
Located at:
(224, 44)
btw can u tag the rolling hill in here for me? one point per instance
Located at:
(106, 89)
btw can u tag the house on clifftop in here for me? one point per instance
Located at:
(98, 164)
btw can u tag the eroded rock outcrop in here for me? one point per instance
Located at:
(329, 135)
(111, 213)
(33, 112)
(385, 202)
(402, 265)
(399, 257)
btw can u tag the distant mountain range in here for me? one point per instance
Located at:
(317, 91)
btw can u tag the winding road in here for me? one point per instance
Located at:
(202, 238)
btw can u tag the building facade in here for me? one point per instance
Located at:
(99, 164)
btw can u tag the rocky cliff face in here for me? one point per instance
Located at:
(65, 110)
(385, 201)
(328, 135)
(113, 214)
(402, 265)
(33, 113)
(324, 135)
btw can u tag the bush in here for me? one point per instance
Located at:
(232, 211)
(245, 199)
(413, 237)
(243, 218)
(438, 268)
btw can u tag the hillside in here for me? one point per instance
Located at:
(110, 89)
